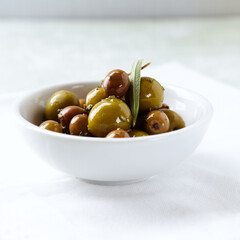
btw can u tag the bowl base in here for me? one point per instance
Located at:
(114, 183)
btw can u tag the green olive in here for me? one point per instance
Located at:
(137, 133)
(151, 95)
(108, 115)
(58, 101)
(176, 121)
(95, 96)
(119, 133)
(51, 126)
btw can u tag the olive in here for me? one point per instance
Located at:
(140, 122)
(82, 102)
(66, 115)
(176, 121)
(51, 125)
(137, 133)
(164, 106)
(79, 125)
(58, 101)
(116, 83)
(95, 96)
(151, 95)
(119, 133)
(156, 122)
(107, 115)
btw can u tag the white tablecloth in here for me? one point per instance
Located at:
(198, 200)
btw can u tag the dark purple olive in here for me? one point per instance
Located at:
(66, 115)
(79, 125)
(116, 83)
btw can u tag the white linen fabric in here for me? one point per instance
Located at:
(200, 199)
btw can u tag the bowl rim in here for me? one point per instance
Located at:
(26, 124)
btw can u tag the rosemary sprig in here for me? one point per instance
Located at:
(135, 80)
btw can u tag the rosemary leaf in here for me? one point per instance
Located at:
(135, 80)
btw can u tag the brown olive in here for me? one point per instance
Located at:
(176, 121)
(58, 101)
(66, 115)
(51, 125)
(119, 133)
(156, 122)
(116, 83)
(137, 133)
(95, 96)
(79, 125)
(151, 95)
(82, 102)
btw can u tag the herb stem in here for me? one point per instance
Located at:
(144, 66)
(135, 81)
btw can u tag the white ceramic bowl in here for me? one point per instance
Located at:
(102, 160)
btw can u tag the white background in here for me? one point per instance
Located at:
(117, 8)
(200, 200)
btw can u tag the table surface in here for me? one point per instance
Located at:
(199, 199)
(34, 53)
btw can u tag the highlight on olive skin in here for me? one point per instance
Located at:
(123, 105)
